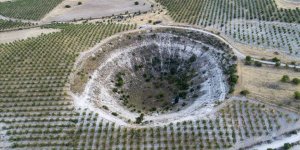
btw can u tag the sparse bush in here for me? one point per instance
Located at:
(275, 59)
(136, 3)
(120, 81)
(105, 107)
(297, 95)
(296, 81)
(248, 60)
(114, 113)
(245, 92)
(139, 119)
(67, 6)
(257, 63)
(277, 64)
(285, 79)
(79, 3)
(233, 79)
(287, 146)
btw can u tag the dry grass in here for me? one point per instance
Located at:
(11, 36)
(158, 15)
(84, 73)
(288, 4)
(264, 84)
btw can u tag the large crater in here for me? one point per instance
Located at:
(165, 75)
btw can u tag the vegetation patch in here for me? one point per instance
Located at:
(8, 24)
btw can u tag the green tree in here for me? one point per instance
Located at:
(287, 146)
(296, 81)
(257, 63)
(248, 60)
(139, 119)
(285, 78)
(297, 95)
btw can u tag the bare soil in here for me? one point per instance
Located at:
(94, 9)
(149, 18)
(288, 4)
(157, 14)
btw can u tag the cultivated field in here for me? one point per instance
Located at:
(27, 9)
(241, 21)
(149, 74)
(34, 75)
(237, 124)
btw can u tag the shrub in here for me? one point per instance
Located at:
(105, 107)
(285, 78)
(275, 59)
(257, 64)
(277, 64)
(120, 81)
(245, 92)
(248, 60)
(297, 95)
(79, 3)
(136, 3)
(114, 113)
(287, 146)
(67, 6)
(296, 81)
(233, 79)
(139, 119)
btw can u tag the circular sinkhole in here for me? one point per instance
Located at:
(158, 77)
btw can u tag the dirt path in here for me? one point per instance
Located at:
(22, 20)
(15, 35)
